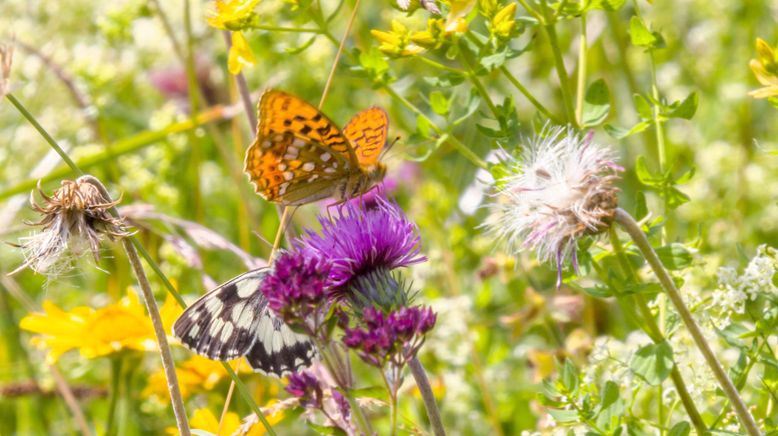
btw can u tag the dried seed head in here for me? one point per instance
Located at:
(560, 190)
(74, 219)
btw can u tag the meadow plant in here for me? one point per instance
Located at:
(593, 182)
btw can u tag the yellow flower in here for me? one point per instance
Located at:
(197, 374)
(240, 54)
(229, 14)
(456, 15)
(97, 332)
(204, 419)
(504, 22)
(766, 70)
(397, 42)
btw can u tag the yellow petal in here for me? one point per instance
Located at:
(240, 54)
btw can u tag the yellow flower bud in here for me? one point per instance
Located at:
(503, 22)
(240, 54)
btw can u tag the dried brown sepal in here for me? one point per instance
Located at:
(75, 217)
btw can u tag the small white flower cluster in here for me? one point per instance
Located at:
(757, 279)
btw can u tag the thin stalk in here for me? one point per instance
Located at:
(548, 25)
(581, 85)
(392, 403)
(244, 392)
(657, 336)
(156, 320)
(194, 104)
(339, 53)
(633, 229)
(438, 65)
(427, 396)
(284, 29)
(477, 83)
(458, 145)
(116, 371)
(524, 91)
(159, 330)
(516, 84)
(31, 119)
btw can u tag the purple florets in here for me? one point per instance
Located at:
(297, 287)
(306, 388)
(395, 337)
(361, 241)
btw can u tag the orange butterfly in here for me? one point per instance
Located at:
(300, 156)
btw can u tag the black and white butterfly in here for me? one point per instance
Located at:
(234, 321)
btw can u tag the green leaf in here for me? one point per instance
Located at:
(494, 60)
(599, 291)
(653, 362)
(642, 36)
(423, 126)
(620, 132)
(563, 415)
(439, 103)
(645, 175)
(641, 207)
(446, 80)
(596, 104)
(673, 197)
(685, 109)
(681, 429)
(675, 256)
(643, 107)
(569, 377)
(611, 407)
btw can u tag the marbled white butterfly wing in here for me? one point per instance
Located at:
(233, 321)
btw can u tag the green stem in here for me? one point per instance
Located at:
(633, 229)
(31, 119)
(284, 29)
(471, 75)
(656, 335)
(524, 91)
(116, 372)
(459, 146)
(427, 396)
(564, 85)
(438, 65)
(195, 151)
(581, 85)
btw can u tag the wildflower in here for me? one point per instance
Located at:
(395, 338)
(765, 69)
(6, 58)
(231, 14)
(204, 419)
(455, 20)
(559, 191)
(306, 388)
(97, 332)
(736, 291)
(240, 54)
(397, 42)
(297, 288)
(75, 215)
(504, 23)
(359, 242)
(198, 374)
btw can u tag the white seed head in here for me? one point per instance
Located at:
(560, 189)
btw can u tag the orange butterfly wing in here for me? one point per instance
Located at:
(299, 155)
(367, 131)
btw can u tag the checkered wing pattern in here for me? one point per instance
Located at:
(233, 321)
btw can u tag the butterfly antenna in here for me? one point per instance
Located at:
(389, 146)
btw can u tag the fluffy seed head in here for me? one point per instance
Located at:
(559, 190)
(74, 218)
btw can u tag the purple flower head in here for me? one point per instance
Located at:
(306, 388)
(360, 241)
(344, 408)
(297, 286)
(396, 337)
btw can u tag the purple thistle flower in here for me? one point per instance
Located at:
(306, 388)
(395, 337)
(360, 241)
(297, 287)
